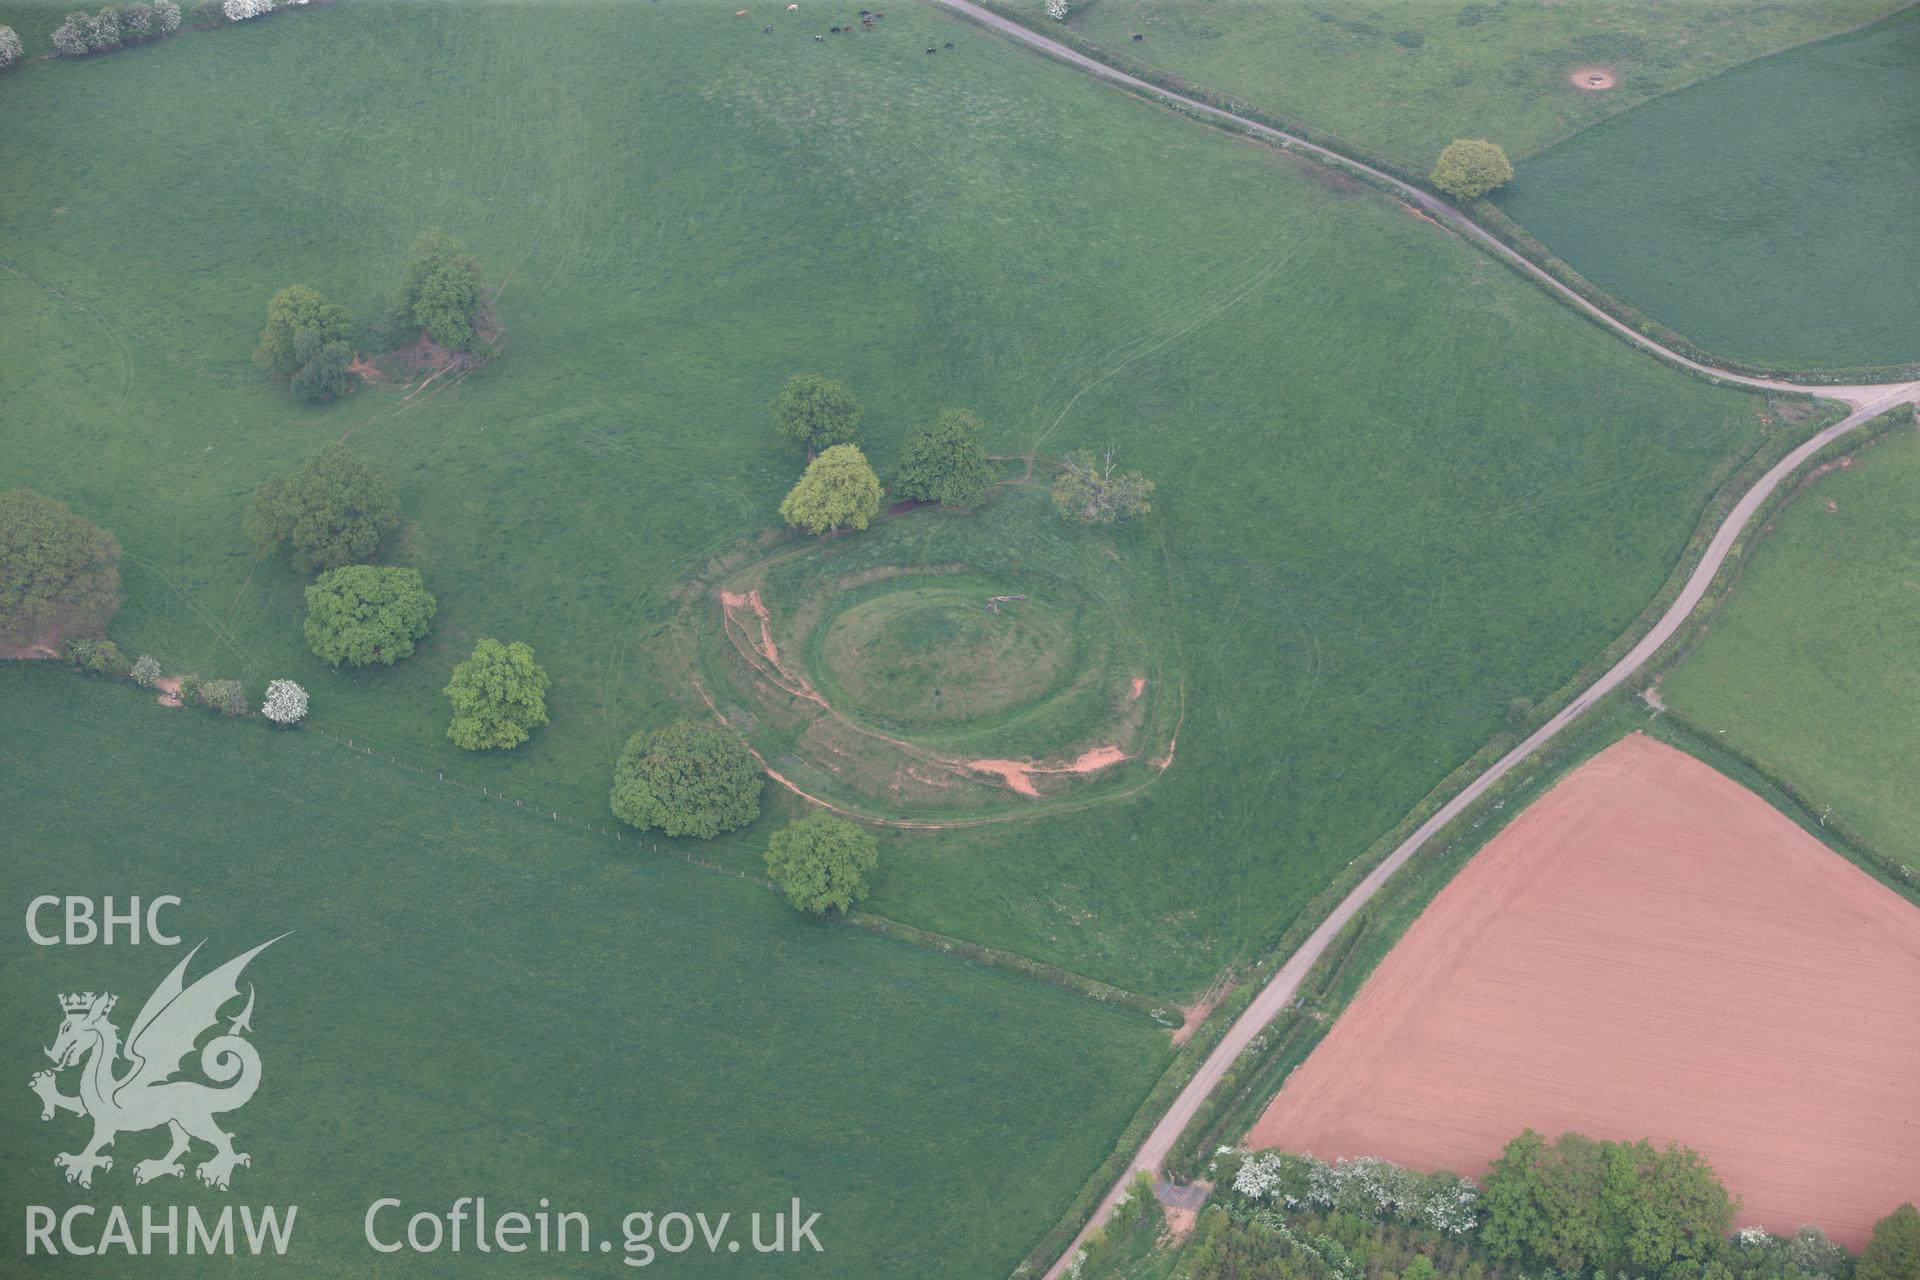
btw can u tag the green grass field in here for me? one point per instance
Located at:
(478, 1000)
(1402, 78)
(1398, 487)
(1763, 214)
(1811, 667)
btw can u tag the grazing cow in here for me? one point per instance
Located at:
(949, 44)
(819, 37)
(866, 22)
(833, 31)
(767, 30)
(866, 13)
(1138, 37)
(930, 49)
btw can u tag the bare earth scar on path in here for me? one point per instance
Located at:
(1650, 950)
(1593, 79)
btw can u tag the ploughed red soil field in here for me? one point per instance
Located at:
(1650, 950)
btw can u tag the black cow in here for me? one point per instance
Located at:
(949, 44)
(931, 49)
(1138, 37)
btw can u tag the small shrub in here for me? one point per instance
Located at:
(136, 23)
(286, 702)
(821, 862)
(103, 30)
(11, 50)
(1091, 490)
(145, 671)
(1470, 167)
(944, 462)
(241, 10)
(323, 369)
(228, 697)
(499, 695)
(191, 689)
(97, 657)
(443, 294)
(73, 37)
(294, 314)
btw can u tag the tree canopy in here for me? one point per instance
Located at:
(838, 488)
(363, 613)
(1581, 1206)
(499, 696)
(333, 511)
(821, 862)
(944, 462)
(1894, 1251)
(296, 313)
(692, 778)
(1090, 490)
(815, 412)
(323, 373)
(1471, 167)
(58, 571)
(442, 292)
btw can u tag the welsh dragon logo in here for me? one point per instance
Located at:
(145, 1095)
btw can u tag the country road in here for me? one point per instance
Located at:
(1865, 401)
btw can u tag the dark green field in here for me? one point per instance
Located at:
(478, 1000)
(1765, 214)
(1811, 666)
(1402, 78)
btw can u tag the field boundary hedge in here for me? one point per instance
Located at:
(1481, 213)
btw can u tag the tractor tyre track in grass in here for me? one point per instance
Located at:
(1866, 402)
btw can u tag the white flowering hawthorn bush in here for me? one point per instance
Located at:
(241, 10)
(70, 38)
(1057, 10)
(10, 47)
(1368, 1186)
(286, 702)
(145, 671)
(113, 28)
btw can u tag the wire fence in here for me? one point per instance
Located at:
(554, 815)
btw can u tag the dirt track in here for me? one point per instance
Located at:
(1865, 400)
(1649, 950)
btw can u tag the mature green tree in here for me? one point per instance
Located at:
(442, 292)
(332, 511)
(323, 368)
(815, 412)
(822, 862)
(838, 488)
(1894, 1251)
(499, 696)
(692, 778)
(1580, 1205)
(363, 613)
(1471, 167)
(58, 571)
(1091, 490)
(944, 462)
(294, 312)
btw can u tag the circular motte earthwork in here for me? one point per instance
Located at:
(935, 655)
